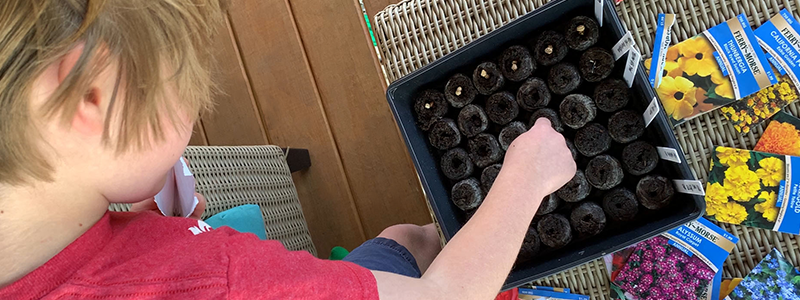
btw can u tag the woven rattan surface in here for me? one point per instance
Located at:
(230, 176)
(413, 33)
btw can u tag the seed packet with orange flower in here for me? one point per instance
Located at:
(712, 70)
(782, 136)
(755, 189)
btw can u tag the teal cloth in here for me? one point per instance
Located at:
(244, 218)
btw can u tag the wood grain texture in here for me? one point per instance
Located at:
(198, 135)
(381, 176)
(374, 6)
(275, 62)
(235, 119)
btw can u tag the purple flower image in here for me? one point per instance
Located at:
(657, 270)
(773, 278)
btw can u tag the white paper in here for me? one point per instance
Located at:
(623, 45)
(598, 11)
(669, 154)
(694, 187)
(651, 112)
(177, 197)
(630, 66)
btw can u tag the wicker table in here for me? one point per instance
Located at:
(414, 33)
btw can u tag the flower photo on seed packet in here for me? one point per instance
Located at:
(692, 82)
(773, 278)
(758, 107)
(657, 270)
(782, 136)
(743, 187)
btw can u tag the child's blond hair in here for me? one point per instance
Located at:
(144, 37)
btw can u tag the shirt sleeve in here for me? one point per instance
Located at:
(266, 270)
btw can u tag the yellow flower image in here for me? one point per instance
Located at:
(741, 183)
(732, 157)
(731, 212)
(724, 87)
(771, 171)
(716, 197)
(677, 95)
(767, 208)
(673, 53)
(671, 68)
(698, 57)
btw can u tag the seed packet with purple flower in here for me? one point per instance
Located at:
(773, 278)
(680, 264)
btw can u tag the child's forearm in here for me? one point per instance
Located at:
(476, 262)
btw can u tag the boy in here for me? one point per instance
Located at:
(97, 101)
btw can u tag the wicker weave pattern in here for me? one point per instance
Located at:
(230, 176)
(413, 33)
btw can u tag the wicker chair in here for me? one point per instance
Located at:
(413, 33)
(230, 176)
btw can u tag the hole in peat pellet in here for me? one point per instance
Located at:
(587, 218)
(476, 121)
(457, 163)
(618, 205)
(484, 150)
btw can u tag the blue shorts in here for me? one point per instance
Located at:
(382, 254)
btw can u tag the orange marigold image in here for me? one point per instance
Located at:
(780, 138)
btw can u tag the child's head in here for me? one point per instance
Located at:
(101, 94)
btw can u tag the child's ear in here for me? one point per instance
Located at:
(90, 113)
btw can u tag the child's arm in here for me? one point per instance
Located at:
(476, 262)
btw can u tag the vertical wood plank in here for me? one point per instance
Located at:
(384, 184)
(374, 6)
(290, 107)
(235, 119)
(198, 135)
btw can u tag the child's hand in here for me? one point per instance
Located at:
(540, 159)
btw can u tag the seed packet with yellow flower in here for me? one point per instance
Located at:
(712, 70)
(782, 136)
(758, 107)
(755, 189)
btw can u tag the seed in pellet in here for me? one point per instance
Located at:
(514, 65)
(428, 105)
(580, 29)
(458, 91)
(549, 49)
(484, 74)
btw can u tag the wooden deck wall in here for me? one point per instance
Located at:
(301, 73)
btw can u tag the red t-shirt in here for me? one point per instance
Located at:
(144, 255)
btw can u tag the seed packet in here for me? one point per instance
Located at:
(541, 294)
(727, 285)
(773, 278)
(680, 264)
(755, 189)
(712, 70)
(755, 109)
(782, 136)
(614, 263)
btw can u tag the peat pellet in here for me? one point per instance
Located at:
(588, 219)
(459, 90)
(456, 164)
(501, 108)
(639, 158)
(604, 172)
(654, 191)
(533, 94)
(444, 134)
(577, 110)
(549, 114)
(488, 175)
(592, 140)
(516, 63)
(563, 78)
(576, 189)
(484, 150)
(550, 48)
(487, 78)
(625, 126)
(620, 204)
(582, 33)
(554, 230)
(466, 194)
(596, 64)
(549, 204)
(430, 106)
(472, 120)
